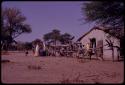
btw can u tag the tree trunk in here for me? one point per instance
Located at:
(113, 54)
(2, 45)
(55, 47)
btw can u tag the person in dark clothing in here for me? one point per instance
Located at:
(26, 52)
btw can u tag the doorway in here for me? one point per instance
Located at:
(93, 44)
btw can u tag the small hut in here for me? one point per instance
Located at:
(102, 43)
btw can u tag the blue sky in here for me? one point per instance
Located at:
(44, 16)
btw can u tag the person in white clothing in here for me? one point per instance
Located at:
(36, 50)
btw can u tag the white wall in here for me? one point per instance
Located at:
(101, 35)
(98, 34)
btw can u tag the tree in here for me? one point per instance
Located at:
(20, 46)
(28, 45)
(111, 45)
(12, 25)
(107, 14)
(66, 38)
(47, 37)
(53, 36)
(104, 13)
(36, 41)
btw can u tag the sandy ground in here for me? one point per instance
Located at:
(30, 69)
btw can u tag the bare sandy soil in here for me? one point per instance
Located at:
(30, 69)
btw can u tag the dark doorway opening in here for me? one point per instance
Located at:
(93, 44)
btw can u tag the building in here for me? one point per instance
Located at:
(97, 37)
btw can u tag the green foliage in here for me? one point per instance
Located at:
(13, 22)
(65, 38)
(28, 45)
(52, 36)
(37, 41)
(20, 45)
(55, 35)
(47, 37)
(13, 25)
(104, 13)
(107, 14)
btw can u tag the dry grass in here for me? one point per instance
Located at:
(4, 53)
(34, 67)
(74, 80)
(81, 60)
(59, 70)
(5, 61)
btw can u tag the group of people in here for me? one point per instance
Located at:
(39, 50)
(83, 50)
(98, 51)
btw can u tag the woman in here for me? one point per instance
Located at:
(36, 50)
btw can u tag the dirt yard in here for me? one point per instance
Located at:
(49, 69)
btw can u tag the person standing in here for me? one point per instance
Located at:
(36, 50)
(26, 53)
(88, 50)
